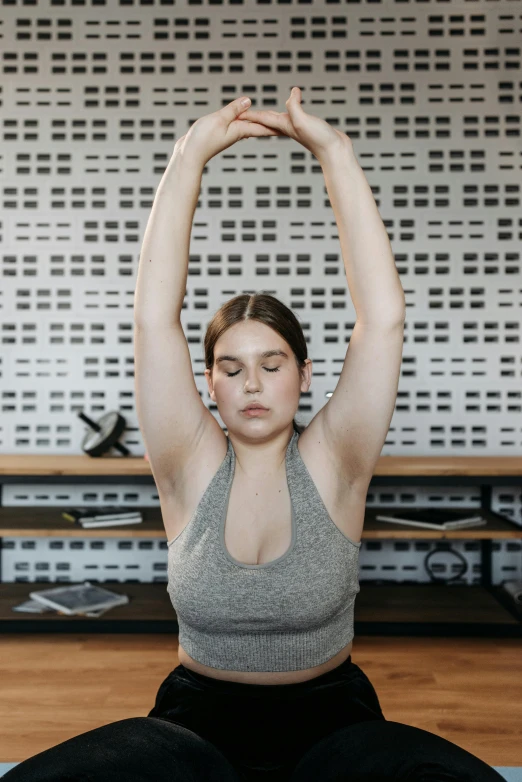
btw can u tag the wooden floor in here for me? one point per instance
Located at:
(54, 687)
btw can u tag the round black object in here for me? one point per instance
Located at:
(104, 434)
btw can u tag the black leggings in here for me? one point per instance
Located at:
(328, 729)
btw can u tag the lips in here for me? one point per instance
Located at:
(254, 407)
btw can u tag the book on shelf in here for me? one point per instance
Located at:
(105, 516)
(434, 518)
(85, 599)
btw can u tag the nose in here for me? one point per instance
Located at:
(252, 383)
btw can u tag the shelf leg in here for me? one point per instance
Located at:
(486, 545)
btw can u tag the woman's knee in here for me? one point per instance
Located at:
(427, 757)
(157, 749)
(393, 751)
(136, 748)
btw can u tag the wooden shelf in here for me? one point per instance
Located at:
(38, 521)
(380, 609)
(31, 465)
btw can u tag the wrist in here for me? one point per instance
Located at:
(180, 173)
(183, 158)
(340, 150)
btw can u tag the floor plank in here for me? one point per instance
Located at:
(467, 690)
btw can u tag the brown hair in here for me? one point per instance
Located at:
(266, 309)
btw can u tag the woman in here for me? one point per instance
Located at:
(264, 531)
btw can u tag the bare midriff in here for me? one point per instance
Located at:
(265, 677)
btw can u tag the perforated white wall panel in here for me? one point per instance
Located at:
(93, 98)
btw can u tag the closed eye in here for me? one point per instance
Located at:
(233, 374)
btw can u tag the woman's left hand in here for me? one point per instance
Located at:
(312, 132)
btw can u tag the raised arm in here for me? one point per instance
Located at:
(162, 273)
(170, 411)
(171, 414)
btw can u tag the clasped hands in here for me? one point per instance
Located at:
(216, 132)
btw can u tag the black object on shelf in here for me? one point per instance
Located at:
(104, 435)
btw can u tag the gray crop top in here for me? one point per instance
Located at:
(292, 613)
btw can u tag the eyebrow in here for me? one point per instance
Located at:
(265, 354)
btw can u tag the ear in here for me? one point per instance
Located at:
(305, 374)
(209, 383)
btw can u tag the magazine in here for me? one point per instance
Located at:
(32, 607)
(434, 518)
(105, 516)
(105, 512)
(117, 523)
(79, 598)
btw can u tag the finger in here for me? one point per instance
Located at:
(231, 111)
(293, 103)
(257, 129)
(269, 118)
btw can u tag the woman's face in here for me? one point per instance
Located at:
(241, 375)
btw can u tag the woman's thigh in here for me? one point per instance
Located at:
(387, 751)
(138, 749)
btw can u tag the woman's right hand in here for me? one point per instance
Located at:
(215, 132)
